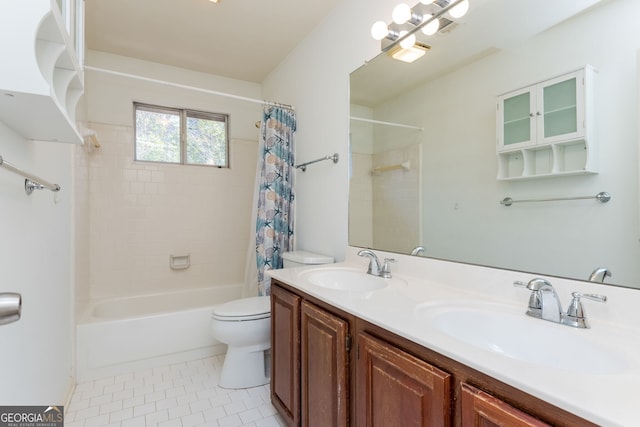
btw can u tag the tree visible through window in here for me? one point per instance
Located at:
(171, 135)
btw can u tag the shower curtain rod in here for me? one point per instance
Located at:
(380, 122)
(194, 88)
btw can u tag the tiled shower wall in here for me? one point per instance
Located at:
(360, 201)
(385, 207)
(397, 200)
(142, 213)
(81, 223)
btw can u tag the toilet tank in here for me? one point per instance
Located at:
(302, 258)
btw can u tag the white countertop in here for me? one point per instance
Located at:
(607, 395)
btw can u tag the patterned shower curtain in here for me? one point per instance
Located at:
(274, 224)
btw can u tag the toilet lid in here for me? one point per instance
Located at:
(243, 309)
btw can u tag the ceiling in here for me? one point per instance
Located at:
(239, 39)
(490, 26)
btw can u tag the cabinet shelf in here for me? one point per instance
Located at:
(561, 159)
(516, 121)
(41, 81)
(562, 109)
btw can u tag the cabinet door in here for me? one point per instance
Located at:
(395, 388)
(516, 119)
(325, 368)
(285, 354)
(480, 409)
(561, 108)
(549, 112)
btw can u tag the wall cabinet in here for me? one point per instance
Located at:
(41, 79)
(546, 129)
(392, 381)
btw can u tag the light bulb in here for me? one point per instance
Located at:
(426, 1)
(408, 42)
(379, 30)
(401, 13)
(432, 27)
(459, 10)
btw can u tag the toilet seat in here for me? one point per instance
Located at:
(243, 309)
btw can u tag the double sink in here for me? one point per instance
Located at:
(485, 326)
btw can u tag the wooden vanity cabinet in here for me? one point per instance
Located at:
(320, 378)
(310, 362)
(395, 388)
(324, 359)
(285, 354)
(476, 399)
(480, 409)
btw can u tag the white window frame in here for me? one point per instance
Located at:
(183, 114)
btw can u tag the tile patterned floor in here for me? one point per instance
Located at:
(178, 395)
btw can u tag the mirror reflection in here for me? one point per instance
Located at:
(425, 145)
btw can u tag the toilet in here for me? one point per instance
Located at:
(245, 326)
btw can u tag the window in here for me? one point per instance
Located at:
(173, 135)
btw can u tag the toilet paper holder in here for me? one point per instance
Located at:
(10, 307)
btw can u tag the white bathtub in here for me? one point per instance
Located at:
(119, 335)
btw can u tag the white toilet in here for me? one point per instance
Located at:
(245, 326)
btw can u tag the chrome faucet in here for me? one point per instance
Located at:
(375, 268)
(417, 250)
(544, 304)
(599, 274)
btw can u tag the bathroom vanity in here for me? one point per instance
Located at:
(374, 353)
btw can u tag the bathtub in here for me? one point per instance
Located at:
(120, 335)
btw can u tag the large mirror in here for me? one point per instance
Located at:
(424, 168)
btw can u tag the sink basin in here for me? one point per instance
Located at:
(509, 332)
(347, 280)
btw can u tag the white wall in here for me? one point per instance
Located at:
(109, 98)
(35, 260)
(343, 41)
(315, 79)
(141, 213)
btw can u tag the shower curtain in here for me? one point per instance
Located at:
(275, 215)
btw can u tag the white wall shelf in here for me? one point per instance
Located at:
(41, 80)
(546, 129)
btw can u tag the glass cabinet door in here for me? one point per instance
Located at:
(561, 108)
(516, 128)
(517, 123)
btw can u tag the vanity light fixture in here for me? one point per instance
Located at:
(409, 54)
(428, 16)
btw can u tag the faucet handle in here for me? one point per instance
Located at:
(386, 269)
(533, 285)
(576, 315)
(535, 299)
(539, 284)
